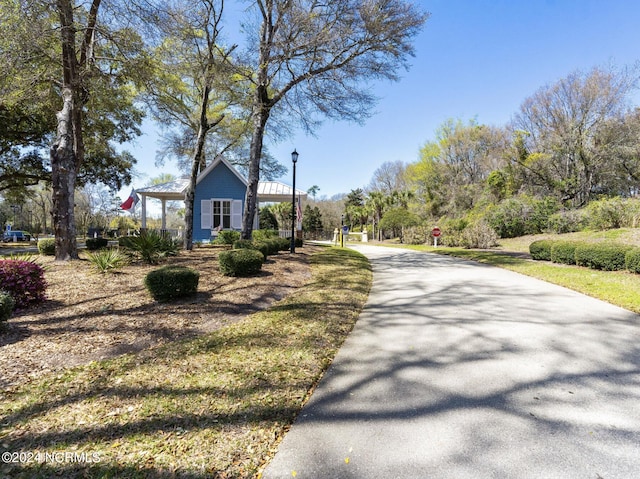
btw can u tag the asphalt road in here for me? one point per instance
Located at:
(460, 370)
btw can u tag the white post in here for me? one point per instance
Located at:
(144, 212)
(164, 214)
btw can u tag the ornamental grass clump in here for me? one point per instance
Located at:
(150, 246)
(172, 282)
(24, 281)
(240, 262)
(108, 260)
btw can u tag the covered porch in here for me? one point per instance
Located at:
(268, 192)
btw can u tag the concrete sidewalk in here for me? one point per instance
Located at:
(460, 370)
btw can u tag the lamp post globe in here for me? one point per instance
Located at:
(294, 160)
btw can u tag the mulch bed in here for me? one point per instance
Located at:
(90, 316)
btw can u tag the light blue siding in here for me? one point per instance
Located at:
(220, 183)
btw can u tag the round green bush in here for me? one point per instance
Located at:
(564, 252)
(541, 250)
(604, 256)
(94, 244)
(263, 247)
(47, 246)
(227, 237)
(243, 244)
(262, 235)
(7, 303)
(632, 260)
(240, 262)
(170, 282)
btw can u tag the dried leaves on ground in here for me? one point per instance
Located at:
(90, 316)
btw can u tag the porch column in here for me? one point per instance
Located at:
(143, 219)
(164, 214)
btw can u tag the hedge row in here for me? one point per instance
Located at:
(602, 256)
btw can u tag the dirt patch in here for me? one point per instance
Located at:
(90, 316)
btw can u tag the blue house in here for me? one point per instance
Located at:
(219, 198)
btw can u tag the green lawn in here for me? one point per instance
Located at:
(212, 407)
(616, 287)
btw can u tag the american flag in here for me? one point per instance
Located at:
(298, 210)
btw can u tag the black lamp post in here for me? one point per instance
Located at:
(294, 159)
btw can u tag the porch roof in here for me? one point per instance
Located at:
(268, 191)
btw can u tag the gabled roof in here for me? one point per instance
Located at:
(215, 163)
(268, 191)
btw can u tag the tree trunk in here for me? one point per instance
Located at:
(260, 117)
(63, 178)
(191, 189)
(65, 152)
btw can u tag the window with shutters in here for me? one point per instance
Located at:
(222, 214)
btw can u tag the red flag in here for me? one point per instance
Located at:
(131, 202)
(298, 210)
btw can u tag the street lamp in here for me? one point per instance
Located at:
(294, 159)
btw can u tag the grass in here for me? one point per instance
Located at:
(616, 287)
(213, 407)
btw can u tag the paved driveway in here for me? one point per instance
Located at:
(459, 370)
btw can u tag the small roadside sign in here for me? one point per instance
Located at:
(435, 232)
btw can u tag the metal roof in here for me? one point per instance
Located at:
(274, 191)
(268, 191)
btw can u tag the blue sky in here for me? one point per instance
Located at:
(474, 59)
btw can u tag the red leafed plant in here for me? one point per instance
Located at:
(24, 281)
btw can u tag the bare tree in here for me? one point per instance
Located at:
(562, 149)
(388, 177)
(316, 58)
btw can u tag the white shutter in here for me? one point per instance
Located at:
(206, 215)
(236, 214)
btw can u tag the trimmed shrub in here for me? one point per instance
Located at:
(240, 262)
(171, 282)
(607, 257)
(227, 237)
(564, 252)
(94, 244)
(541, 250)
(7, 303)
(283, 244)
(108, 260)
(263, 247)
(47, 246)
(24, 281)
(299, 242)
(244, 244)
(261, 235)
(632, 260)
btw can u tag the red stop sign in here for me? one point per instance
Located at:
(435, 232)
